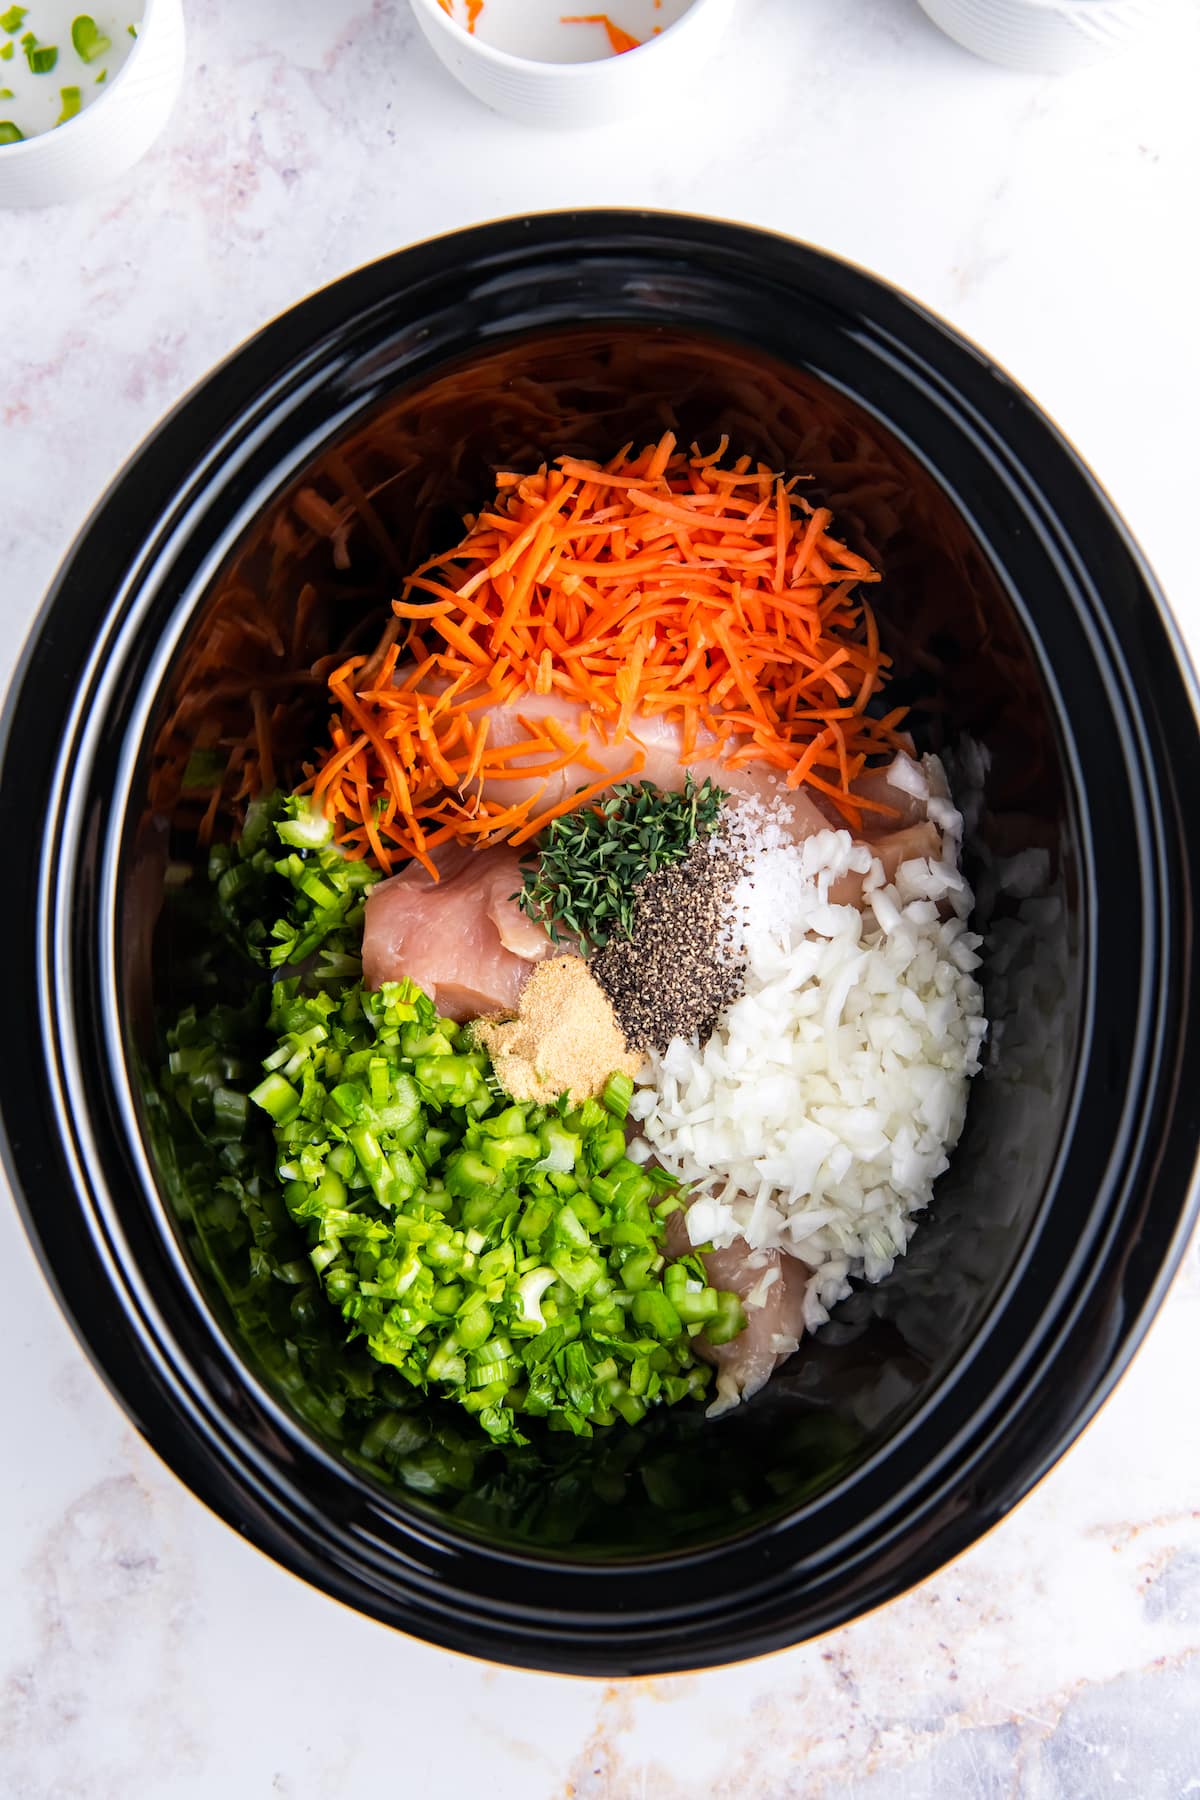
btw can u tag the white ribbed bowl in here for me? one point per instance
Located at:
(111, 134)
(579, 93)
(1053, 36)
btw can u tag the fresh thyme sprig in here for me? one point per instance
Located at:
(582, 876)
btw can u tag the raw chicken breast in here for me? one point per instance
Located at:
(656, 739)
(771, 1287)
(462, 939)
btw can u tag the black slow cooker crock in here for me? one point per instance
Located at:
(1034, 651)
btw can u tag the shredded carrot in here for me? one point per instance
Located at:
(665, 584)
(619, 40)
(474, 8)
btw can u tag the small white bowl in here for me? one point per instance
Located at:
(574, 93)
(1048, 36)
(111, 134)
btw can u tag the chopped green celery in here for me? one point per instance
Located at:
(729, 1321)
(393, 1434)
(508, 1124)
(591, 1116)
(231, 1113)
(654, 1312)
(536, 1219)
(342, 1161)
(277, 1097)
(377, 1070)
(502, 1153)
(618, 1092)
(698, 1309)
(607, 1148)
(474, 1327)
(448, 1079)
(580, 1273)
(306, 828)
(317, 890)
(470, 1178)
(569, 1227)
(633, 1191)
(500, 1254)
(637, 1271)
(446, 1365)
(560, 1148)
(590, 1216)
(530, 1289)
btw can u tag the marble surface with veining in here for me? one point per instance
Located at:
(145, 1649)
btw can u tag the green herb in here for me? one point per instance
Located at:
(6, 52)
(9, 134)
(41, 58)
(71, 102)
(10, 21)
(102, 76)
(132, 30)
(589, 862)
(89, 41)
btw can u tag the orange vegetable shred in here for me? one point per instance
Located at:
(662, 584)
(619, 40)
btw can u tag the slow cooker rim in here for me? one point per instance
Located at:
(1112, 521)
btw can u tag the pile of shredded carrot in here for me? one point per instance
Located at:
(662, 584)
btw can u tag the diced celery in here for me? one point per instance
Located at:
(654, 1312)
(277, 1097)
(729, 1320)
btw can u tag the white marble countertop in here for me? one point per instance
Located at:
(145, 1650)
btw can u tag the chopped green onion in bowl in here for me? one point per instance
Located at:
(89, 41)
(68, 59)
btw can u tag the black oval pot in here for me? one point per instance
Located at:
(1033, 647)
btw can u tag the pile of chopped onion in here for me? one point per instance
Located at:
(829, 1096)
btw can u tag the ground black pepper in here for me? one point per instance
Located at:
(671, 978)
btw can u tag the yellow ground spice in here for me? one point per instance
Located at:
(564, 1038)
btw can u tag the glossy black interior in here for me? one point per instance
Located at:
(266, 527)
(378, 501)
